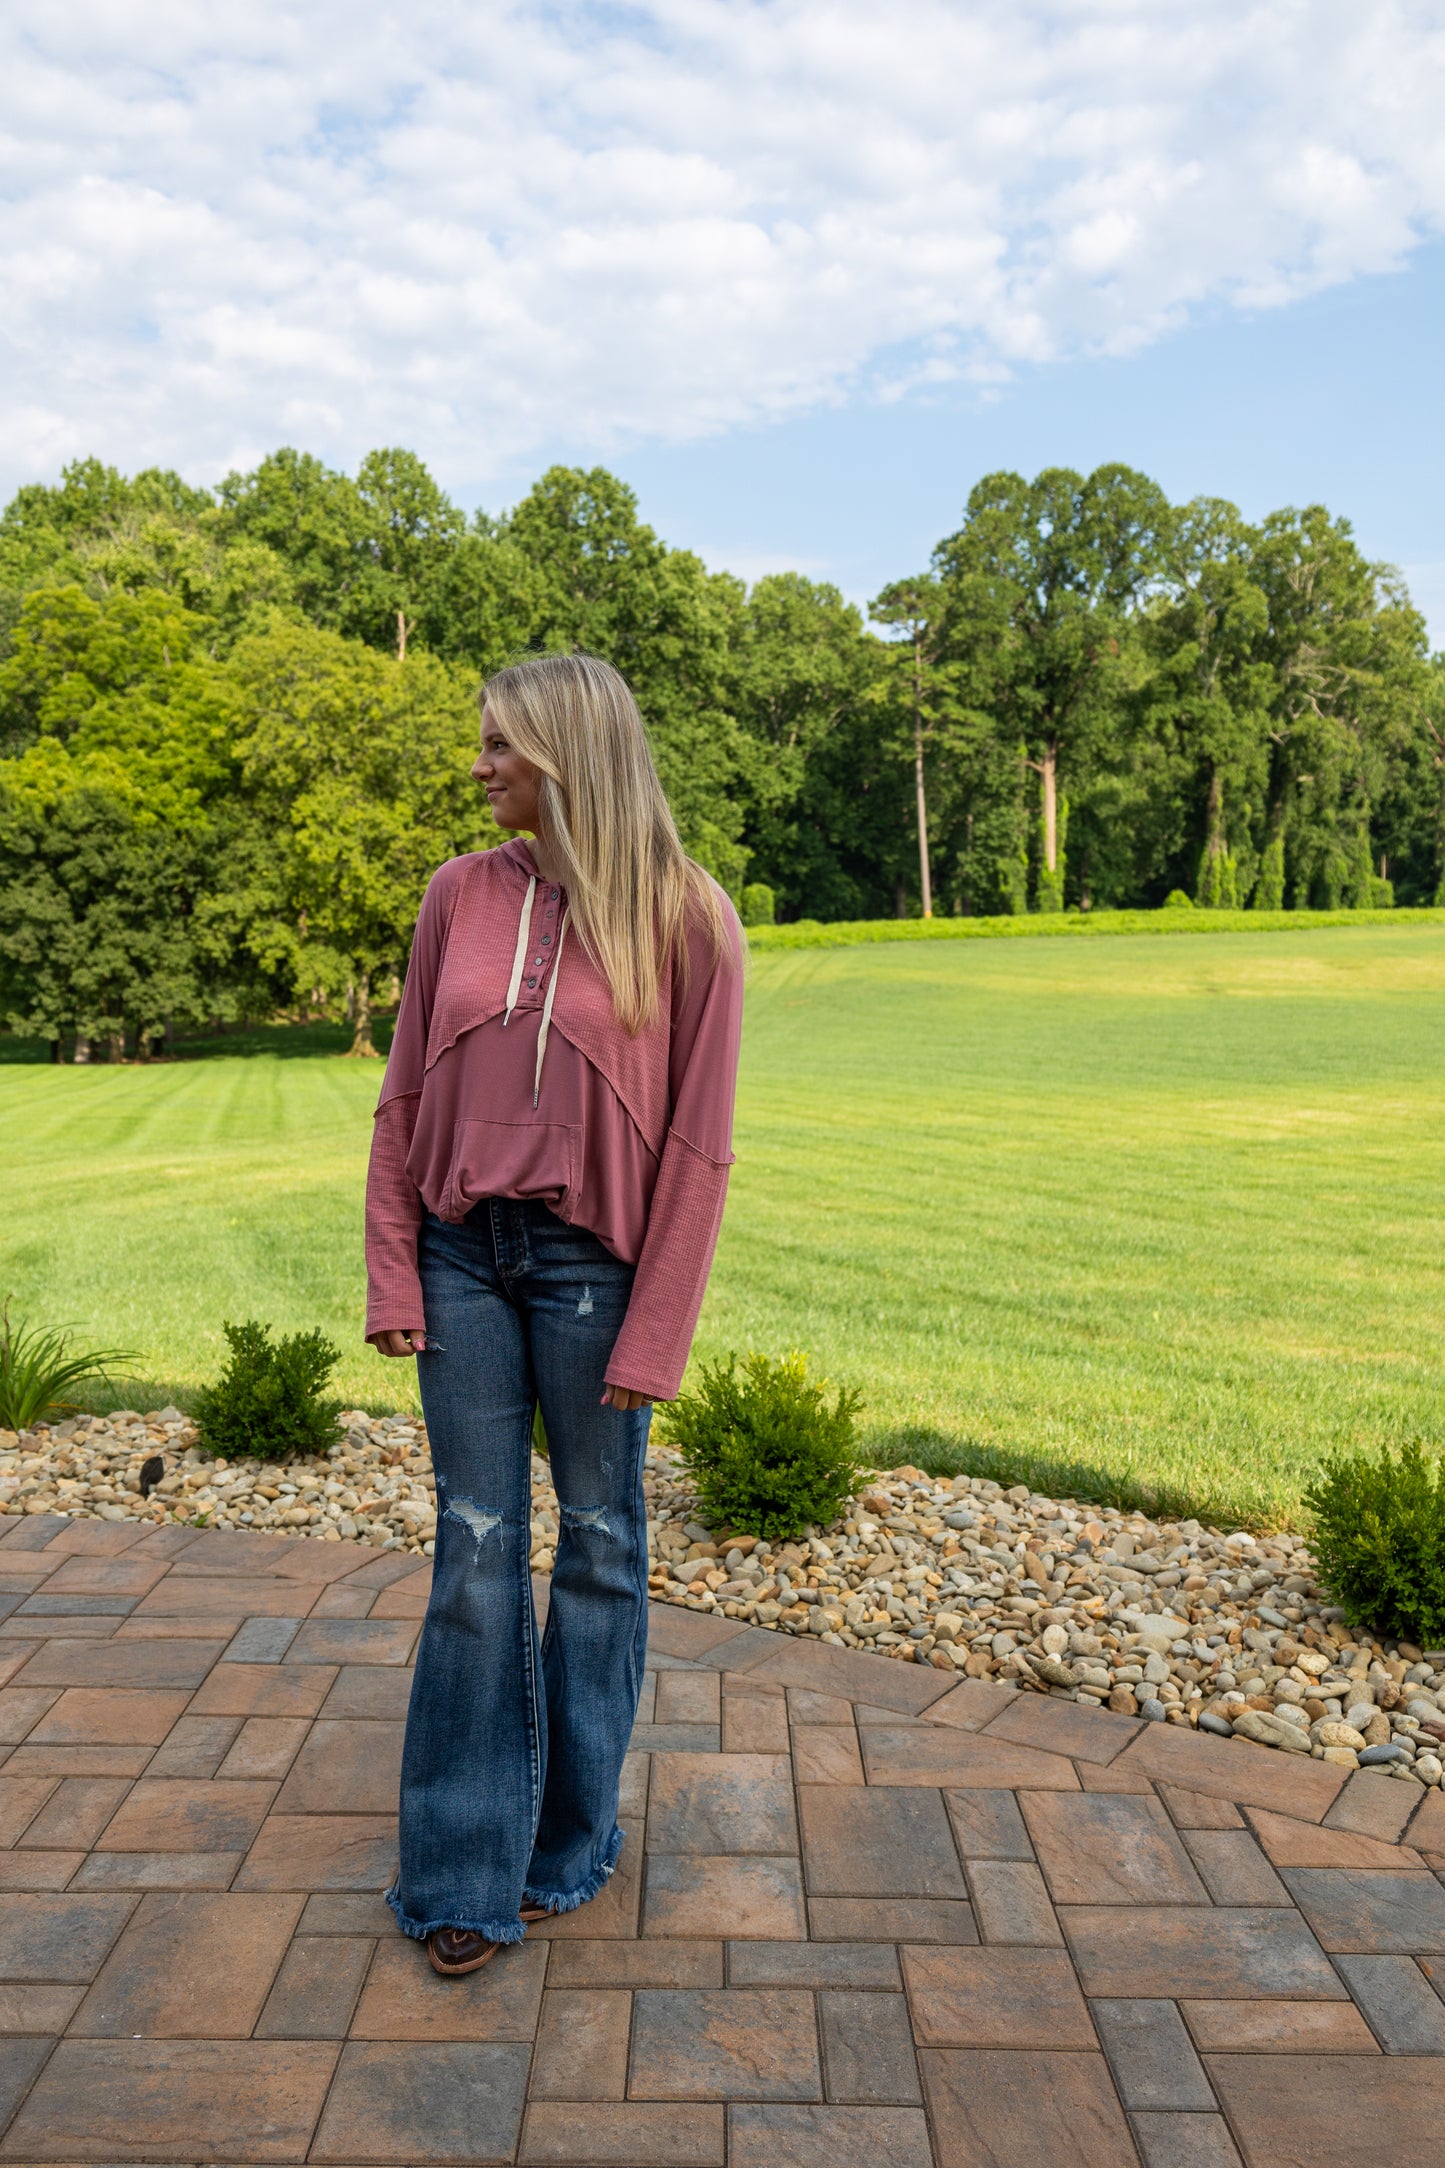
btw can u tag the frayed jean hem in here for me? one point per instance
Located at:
(490, 1930)
(569, 1900)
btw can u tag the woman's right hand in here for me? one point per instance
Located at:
(410, 1342)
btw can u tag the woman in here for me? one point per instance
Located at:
(547, 1179)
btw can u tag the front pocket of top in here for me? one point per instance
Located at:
(513, 1159)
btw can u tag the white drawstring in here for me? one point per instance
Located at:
(519, 960)
(524, 928)
(547, 1008)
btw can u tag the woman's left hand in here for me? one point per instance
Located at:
(618, 1396)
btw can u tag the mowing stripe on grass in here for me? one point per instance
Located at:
(1150, 1219)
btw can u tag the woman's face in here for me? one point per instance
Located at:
(511, 783)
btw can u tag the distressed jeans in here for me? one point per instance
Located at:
(513, 1754)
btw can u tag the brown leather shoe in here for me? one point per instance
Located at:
(455, 1950)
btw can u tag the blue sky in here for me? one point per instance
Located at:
(802, 270)
(1335, 399)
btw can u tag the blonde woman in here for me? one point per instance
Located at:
(548, 1171)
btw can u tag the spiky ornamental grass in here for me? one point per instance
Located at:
(40, 1370)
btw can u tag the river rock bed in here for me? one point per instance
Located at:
(1224, 1631)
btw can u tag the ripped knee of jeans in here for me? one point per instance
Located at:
(586, 1520)
(479, 1521)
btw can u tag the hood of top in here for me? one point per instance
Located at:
(517, 853)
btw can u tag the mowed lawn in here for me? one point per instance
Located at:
(1143, 1217)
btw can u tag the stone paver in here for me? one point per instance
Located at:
(988, 1825)
(316, 1988)
(1009, 2106)
(1011, 1902)
(1367, 1911)
(724, 2044)
(763, 2137)
(582, 2044)
(868, 2053)
(692, 1895)
(1184, 2141)
(1407, 2015)
(190, 1965)
(878, 1842)
(1291, 2111)
(634, 2135)
(168, 2100)
(459, 2101)
(967, 1998)
(1278, 2028)
(1180, 1950)
(1150, 2054)
(866, 1911)
(403, 1998)
(1234, 1868)
(1103, 1848)
(719, 1803)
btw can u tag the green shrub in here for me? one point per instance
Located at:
(1176, 900)
(1218, 885)
(38, 1370)
(768, 1455)
(757, 905)
(268, 1401)
(1269, 889)
(1379, 1541)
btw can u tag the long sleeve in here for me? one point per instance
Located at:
(393, 1203)
(652, 1348)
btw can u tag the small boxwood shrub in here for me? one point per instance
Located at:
(768, 1453)
(1379, 1541)
(269, 1401)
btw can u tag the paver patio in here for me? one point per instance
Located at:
(866, 1913)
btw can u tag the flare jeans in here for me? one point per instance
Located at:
(514, 1746)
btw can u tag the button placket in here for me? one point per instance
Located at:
(541, 963)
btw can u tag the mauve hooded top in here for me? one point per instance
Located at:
(510, 1076)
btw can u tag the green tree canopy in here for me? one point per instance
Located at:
(236, 726)
(609, 585)
(358, 768)
(1039, 584)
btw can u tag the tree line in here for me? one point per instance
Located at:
(236, 725)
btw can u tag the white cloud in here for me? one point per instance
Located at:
(477, 230)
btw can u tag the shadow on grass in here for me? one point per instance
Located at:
(103, 1396)
(234, 1042)
(146, 1395)
(936, 1453)
(283, 1042)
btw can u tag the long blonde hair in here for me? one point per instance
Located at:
(632, 890)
